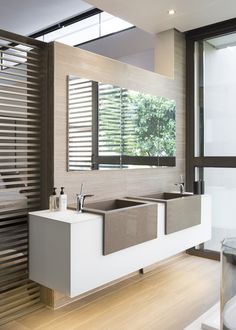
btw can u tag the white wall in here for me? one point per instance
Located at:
(144, 59)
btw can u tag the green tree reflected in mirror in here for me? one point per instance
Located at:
(154, 125)
(127, 128)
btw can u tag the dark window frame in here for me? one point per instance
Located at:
(192, 161)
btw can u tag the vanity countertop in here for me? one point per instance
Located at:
(68, 216)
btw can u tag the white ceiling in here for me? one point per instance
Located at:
(152, 15)
(28, 16)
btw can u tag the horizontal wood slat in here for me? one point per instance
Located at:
(2, 91)
(16, 74)
(12, 59)
(19, 54)
(21, 114)
(18, 100)
(17, 105)
(16, 40)
(16, 87)
(24, 82)
(21, 298)
(19, 290)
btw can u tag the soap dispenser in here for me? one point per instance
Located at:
(62, 200)
(53, 201)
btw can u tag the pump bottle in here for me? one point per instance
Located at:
(62, 200)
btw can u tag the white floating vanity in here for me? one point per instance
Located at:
(66, 248)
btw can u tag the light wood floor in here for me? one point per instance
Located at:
(167, 298)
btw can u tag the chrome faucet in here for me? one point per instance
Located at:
(80, 198)
(180, 184)
(181, 187)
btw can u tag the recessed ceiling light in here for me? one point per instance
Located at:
(171, 12)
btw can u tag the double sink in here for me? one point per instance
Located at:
(133, 220)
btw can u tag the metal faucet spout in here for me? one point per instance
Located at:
(80, 198)
(181, 187)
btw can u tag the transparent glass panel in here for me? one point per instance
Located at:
(219, 96)
(75, 33)
(87, 29)
(220, 184)
(111, 24)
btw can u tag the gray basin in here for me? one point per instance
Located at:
(182, 211)
(126, 222)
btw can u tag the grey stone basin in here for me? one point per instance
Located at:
(182, 211)
(126, 222)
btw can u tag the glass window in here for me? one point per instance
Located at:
(219, 96)
(220, 184)
(111, 24)
(87, 29)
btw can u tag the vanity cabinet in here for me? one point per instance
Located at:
(66, 249)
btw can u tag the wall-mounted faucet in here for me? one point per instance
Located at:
(80, 198)
(180, 184)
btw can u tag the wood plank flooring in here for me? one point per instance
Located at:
(167, 298)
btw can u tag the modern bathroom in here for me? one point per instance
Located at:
(117, 165)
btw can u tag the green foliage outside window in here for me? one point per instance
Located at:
(136, 124)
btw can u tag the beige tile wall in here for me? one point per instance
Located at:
(108, 184)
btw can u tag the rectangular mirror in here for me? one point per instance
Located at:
(110, 127)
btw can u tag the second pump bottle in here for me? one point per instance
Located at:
(58, 203)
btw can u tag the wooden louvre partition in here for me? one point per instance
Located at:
(23, 77)
(80, 124)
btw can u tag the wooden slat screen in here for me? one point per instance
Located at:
(80, 124)
(20, 164)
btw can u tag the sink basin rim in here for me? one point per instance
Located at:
(160, 197)
(108, 205)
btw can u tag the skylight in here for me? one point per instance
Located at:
(90, 28)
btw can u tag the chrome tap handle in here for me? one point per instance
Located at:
(181, 187)
(80, 198)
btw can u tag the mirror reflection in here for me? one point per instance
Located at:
(112, 127)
